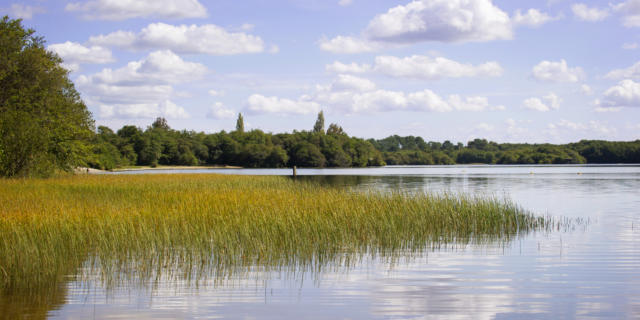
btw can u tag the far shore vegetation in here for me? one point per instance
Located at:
(158, 144)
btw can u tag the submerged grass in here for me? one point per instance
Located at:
(144, 226)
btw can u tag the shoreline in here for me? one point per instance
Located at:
(145, 168)
(85, 170)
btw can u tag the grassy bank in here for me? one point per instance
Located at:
(195, 225)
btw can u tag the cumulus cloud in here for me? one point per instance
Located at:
(219, 111)
(630, 45)
(531, 18)
(349, 94)
(441, 20)
(339, 67)
(352, 83)
(261, 104)
(344, 44)
(345, 3)
(166, 109)
(633, 72)
(75, 54)
(126, 9)
(544, 104)
(424, 67)
(586, 89)
(582, 12)
(592, 126)
(625, 94)
(557, 72)
(21, 11)
(630, 11)
(141, 88)
(189, 39)
(419, 67)
(436, 20)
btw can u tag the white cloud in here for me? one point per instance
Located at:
(625, 94)
(630, 10)
(343, 44)
(441, 20)
(419, 67)
(436, 20)
(424, 67)
(630, 45)
(345, 3)
(557, 72)
(75, 54)
(189, 39)
(127, 9)
(547, 103)
(21, 11)
(219, 111)
(592, 126)
(585, 13)
(141, 88)
(260, 104)
(166, 109)
(532, 18)
(633, 72)
(468, 103)
(586, 89)
(349, 94)
(352, 83)
(339, 67)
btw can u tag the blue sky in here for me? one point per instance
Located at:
(557, 71)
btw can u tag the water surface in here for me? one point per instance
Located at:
(589, 272)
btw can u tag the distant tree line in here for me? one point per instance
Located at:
(160, 145)
(412, 150)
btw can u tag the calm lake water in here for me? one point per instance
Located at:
(592, 271)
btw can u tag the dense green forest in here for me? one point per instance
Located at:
(160, 145)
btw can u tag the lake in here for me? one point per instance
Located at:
(590, 271)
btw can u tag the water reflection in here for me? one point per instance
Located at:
(587, 273)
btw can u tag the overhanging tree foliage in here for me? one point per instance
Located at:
(44, 125)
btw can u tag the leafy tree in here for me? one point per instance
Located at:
(319, 126)
(44, 125)
(160, 123)
(335, 130)
(240, 124)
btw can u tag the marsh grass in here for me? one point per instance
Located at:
(194, 226)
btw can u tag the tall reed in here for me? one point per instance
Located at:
(146, 226)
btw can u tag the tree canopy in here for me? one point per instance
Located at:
(319, 126)
(44, 125)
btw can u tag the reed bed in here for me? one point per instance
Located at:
(195, 225)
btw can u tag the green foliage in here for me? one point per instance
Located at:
(411, 150)
(240, 124)
(44, 125)
(161, 145)
(319, 126)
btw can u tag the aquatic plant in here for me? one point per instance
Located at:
(197, 225)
